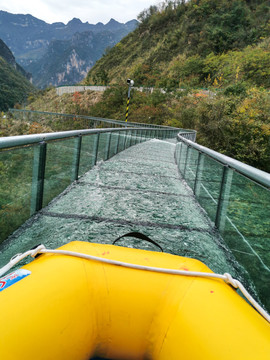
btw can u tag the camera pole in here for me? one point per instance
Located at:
(130, 84)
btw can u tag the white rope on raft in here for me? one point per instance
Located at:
(41, 249)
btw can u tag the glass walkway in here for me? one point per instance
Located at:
(148, 186)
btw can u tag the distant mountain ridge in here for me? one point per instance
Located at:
(31, 40)
(68, 61)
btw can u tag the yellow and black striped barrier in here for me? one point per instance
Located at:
(130, 84)
(127, 109)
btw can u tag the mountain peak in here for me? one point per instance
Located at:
(113, 25)
(113, 22)
(74, 21)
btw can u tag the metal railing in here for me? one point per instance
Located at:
(34, 169)
(237, 199)
(87, 121)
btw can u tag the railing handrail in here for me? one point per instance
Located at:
(22, 140)
(111, 121)
(251, 172)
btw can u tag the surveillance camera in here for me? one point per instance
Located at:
(130, 82)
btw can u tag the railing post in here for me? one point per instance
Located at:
(177, 151)
(224, 197)
(76, 159)
(95, 153)
(187, 159)
(180, 153)
(38, 177)
(108, 146)
(199, 172)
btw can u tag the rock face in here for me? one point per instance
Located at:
(59, 54)
(6, 53)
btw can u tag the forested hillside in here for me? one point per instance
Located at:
(192, 43)
(14, 85)
(223, 46)
(185, 48)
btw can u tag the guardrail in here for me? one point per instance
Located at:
(237, 199)
(60, 90)
(34, 169)
(88, 121)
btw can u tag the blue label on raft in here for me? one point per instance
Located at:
(12, 278)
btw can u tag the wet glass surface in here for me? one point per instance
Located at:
(139, 189)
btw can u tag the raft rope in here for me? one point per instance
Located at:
(41, 249)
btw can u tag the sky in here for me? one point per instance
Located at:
(93, 11)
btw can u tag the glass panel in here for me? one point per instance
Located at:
(102, 146)
(211, 179)
(138, 136)
(191, 167)
(132, 140)
(87, 149)
(136, 139)
(128, 143)
(121, 141)
(177, 153)
(15, 188)
(114, 140)
(247, 231)
(59, 168)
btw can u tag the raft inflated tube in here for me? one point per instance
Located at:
(64, 307)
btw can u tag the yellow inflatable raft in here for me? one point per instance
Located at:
(69, 308)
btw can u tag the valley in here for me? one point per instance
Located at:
(59, 54)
